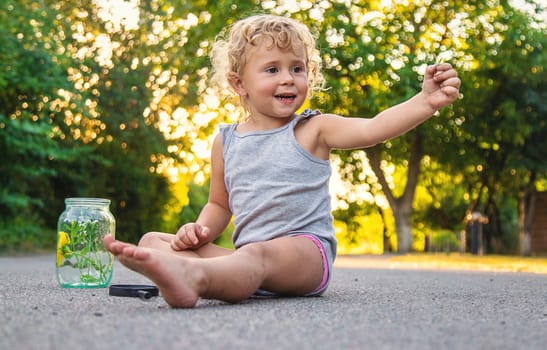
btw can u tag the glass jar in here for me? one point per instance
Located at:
(82, 260)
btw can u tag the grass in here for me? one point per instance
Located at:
(453, 261)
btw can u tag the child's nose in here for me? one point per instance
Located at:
(287, 77)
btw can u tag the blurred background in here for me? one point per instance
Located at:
(109, 98)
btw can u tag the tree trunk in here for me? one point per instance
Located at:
(400, 206)
(526, 213)
(403, 226)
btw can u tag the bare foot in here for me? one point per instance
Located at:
(178, 282)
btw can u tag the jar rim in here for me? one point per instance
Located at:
(86, 201)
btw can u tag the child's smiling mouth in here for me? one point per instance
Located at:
(286, 98)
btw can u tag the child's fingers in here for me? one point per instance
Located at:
(443, 66)
(189, 236)
(430, 72)
(202, 232)
(444, 73)
(439, 72)
(184, 238)
(178, 243)
(452, 81)
(451, 92)
(451, 87)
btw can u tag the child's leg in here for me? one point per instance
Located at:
(289, 265)
(162, 241)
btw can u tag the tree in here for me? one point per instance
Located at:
(145, 83)
(33, 87)
(121, 109)
(374, 53)
(499, 140)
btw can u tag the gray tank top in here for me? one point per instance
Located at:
(276, 188)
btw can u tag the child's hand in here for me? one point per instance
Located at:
(441, 85)
(190, 236)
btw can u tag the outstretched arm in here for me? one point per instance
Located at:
(440, 88)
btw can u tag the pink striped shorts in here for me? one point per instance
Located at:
(326, 269)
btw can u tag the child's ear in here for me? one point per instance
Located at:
(237, 84)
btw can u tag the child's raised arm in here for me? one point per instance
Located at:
(440, 88)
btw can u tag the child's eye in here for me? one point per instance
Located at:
(271, 70)
(298, 69)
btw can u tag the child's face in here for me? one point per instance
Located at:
(274, 81)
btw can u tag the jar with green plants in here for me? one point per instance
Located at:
(82, 261)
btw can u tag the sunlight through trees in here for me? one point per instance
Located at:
(110, 98)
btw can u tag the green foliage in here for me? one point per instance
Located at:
(198, 195)
(370, 233)
(25, 233)
(30, 80)
(80, 118)
(439, 198)
(496, 138)
(490, 140)
(438, 241)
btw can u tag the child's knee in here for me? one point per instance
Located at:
(255, 250)
(149, 239)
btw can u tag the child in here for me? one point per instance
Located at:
(271, 173)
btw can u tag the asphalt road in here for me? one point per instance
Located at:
(364, 308)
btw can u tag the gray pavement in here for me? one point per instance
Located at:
(364, 308)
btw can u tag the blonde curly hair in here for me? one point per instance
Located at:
(228, 54)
